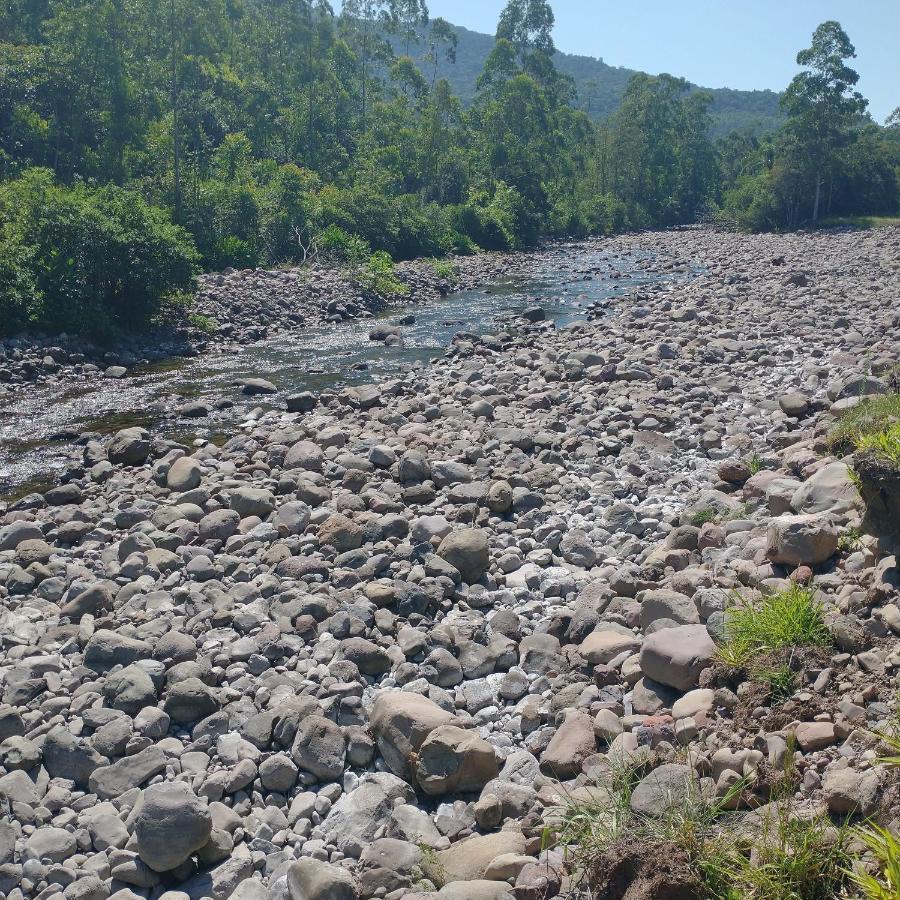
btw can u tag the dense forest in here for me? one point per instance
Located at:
(139, 142)
(599, 87)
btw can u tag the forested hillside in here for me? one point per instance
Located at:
(140, 142)
(600, 87)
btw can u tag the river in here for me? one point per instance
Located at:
(40, 425)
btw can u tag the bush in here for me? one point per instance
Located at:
(87, 260)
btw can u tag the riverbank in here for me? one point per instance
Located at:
(384, 642)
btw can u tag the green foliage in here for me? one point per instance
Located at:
(884, 444)
(828, 158)
(755, 463)
(80, 259)
(257, 127)
(849, 541)
(704, 515)
(794, 858)
(872, 417)
(790, 618)
(379, 276)
(884, 847)
(444, 269)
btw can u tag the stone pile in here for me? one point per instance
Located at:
(370, 649)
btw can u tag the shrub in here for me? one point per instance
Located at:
(88, 260)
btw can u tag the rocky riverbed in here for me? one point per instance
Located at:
(375, 645)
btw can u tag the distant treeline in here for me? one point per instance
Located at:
(141, 141)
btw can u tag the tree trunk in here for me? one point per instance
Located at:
(815, 215)
(176, 150)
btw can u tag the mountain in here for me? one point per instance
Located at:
(601, 86)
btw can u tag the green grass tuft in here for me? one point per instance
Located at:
(868, 419)
(884, 444)
(790, 618)
(884, 848)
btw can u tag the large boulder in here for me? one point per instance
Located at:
(828, 490)
(467, 551)
(171, 824)
(189, 701)
(250, 501)
(454, 760)
(184, 474)
(359, 814)
(676, 656)
(312, 879)
(340, 532)
(573, 742)
(70, 757)
(93, 599)
(400, 721)
(663, 789)
(801, 540)
(129, 447)
(468, 860)
(319, 748)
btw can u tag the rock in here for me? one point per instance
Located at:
(319, 748)
(795, 405)
(479, 889)
(189, 701)
(253, 386)
(340, 532)
(129, 690)
(54, 844)
(359, 815)
(830, 489)
(569, 747)
(107, 649)
(848, 791)
(16, 533)
(129, 447)
(400, 721)
(92, 600)
(71, 757)
(676, 656)
(602, 646)
(172, 823)
(110, 782)
(184, 474)
(250, 501)
(815, 735)
(454, 760)
(467, 551)
(664, 788)
(801, 540)
(312, 879)
(468, 860)
(301, 403)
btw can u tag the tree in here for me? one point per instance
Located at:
(527, 25)
(360, 20)
(441, 35)
(822, 106)
(407, 17)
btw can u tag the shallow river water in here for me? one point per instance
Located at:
(38, 427)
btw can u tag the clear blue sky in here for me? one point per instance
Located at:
(716, 43)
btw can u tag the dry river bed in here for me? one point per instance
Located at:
(373, 647)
